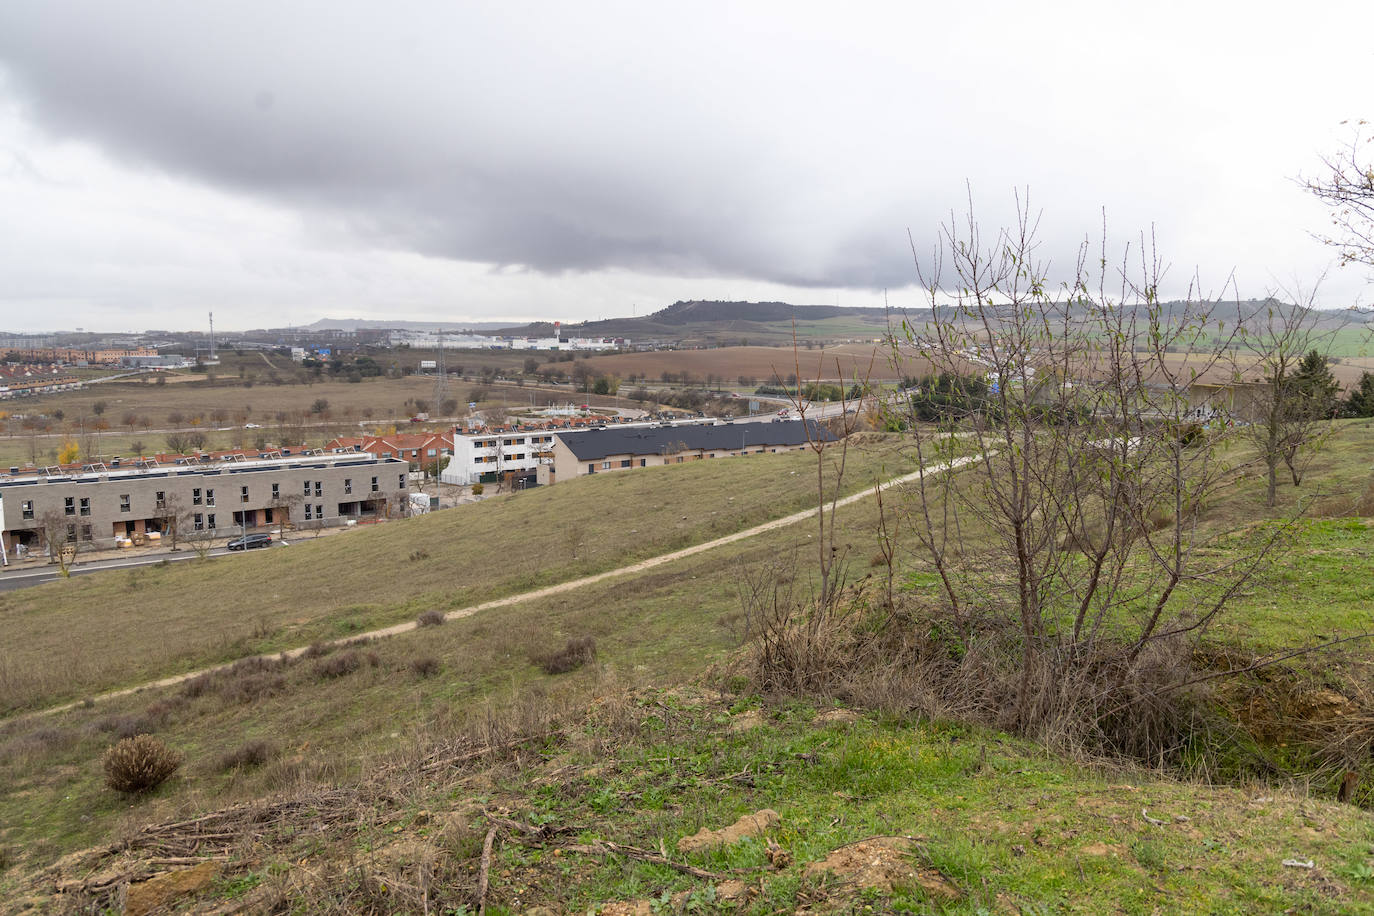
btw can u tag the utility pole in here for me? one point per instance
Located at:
(440, 375)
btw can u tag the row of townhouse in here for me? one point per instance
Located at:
(599, 451)
(547, 455)
(106, 356)
(419, 449)
(217, 499)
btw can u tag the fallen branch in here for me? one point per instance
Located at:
(484, 877)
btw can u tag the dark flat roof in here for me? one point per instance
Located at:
(591, 444)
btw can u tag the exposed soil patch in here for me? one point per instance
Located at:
(882, 863)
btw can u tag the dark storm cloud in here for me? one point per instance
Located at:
(521, 139)
(791, 143)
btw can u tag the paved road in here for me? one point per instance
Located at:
(17, 576)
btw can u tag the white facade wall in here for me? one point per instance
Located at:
(475, 455)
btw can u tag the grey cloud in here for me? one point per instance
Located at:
(776, 142)
(452, 135)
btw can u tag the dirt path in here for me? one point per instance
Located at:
(570, 585)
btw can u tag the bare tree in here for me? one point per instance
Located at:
(1066, 542)
(1283, 423)
(1346, 185)
(171, 508)
(61, 539)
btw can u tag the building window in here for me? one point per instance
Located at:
(591, 468)
(386, 454)
(308, 509)
(276, 492)
(401, 481)
(319, 488)
(243, 493)
(27, 506)
(85, 532)
(605, 465)
(71, 533)
(195, 496)
(161, 500)
(644, 462)
(319, 511)
(124, 502)
(210, 499)
(198, 522)
(305, 488)
(85, 505)
(69, 505)
(210, 521)
(429, 452)
(348, 485)
(626, 462)
(374, 485)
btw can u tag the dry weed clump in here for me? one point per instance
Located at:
(430, 618)
(139, 763)
(338, 665)
(425, 666)
(246, 681)
(36, 744)
(246, 756)
(577, 652)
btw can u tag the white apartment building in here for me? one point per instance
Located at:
(485, 457)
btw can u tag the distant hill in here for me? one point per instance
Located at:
(718, 321)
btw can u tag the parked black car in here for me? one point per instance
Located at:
(250, 541)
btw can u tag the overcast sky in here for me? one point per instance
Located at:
(281, 162)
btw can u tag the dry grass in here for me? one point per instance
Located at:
(249, 755)
(500, 546)
(577, 652)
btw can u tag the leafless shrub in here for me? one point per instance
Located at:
(317, 650)
(577, 652)
(430, 618)
(245, 681)
(36, 744)
(418, 555)
(338, 665)
(246, 756)
(425, 666)
(125, 726)
(139, 763)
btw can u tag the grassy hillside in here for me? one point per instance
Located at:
(584, 811)
(639, 767)
(115, 629)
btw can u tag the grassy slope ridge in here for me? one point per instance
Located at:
(110, 630)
